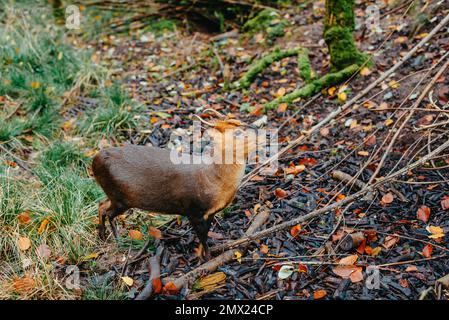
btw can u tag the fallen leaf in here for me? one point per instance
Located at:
(411, 269)
(436, 232)
(135, 234)
(344, 271)
(319, 294)
(238, 256)
(445, 203)
(357, 275)
(35, 85)
(349, 260)
(24, 285)
(24, 243)
(280, 193)
(427, 250)
(390, 241)
(295, 230)
(403, 283)
(295, 169)
(342, 96)
(90, 256)
(365, 71)
(128, 281)
(285, 271)
(24, 217)
(387, 198)
(157, 285)
(170, 288)
(363, 153)
(211, 281)
(423, 214)
(264, 249)
(43, 251)
(43, 225)
(280, 92)
(389, 122)
(155, 232)
(282, 107)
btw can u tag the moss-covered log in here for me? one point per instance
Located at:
(330, 79)
(339, 24)
(260, 65)
(305, 69)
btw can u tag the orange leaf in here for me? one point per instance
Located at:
(170, 288)
(349, 260)
(319, 294)
(423, 214)
(445, 203)
(356, 276)
(387, 198)
(135, 234)
(344, 271)
(282, 107)
(24, 243)
(264, 249)
(280, 193)
(157, 285)
(24, 217)
(427, 251)
(390, 241)
(43, 225)
(24, 285)
(295, 230)
(155, 232)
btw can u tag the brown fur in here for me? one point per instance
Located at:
(145, 178)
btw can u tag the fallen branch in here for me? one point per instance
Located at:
(347, 200)
(225, 257)
(155, 273)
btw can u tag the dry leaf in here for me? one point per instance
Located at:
(387, 198)
(43, 251)
(423, 214)
(157, 285)
(436, 232)
(155, 232)
(264, 249)
(280, 193)
(128, 281)
(24, 243)
(390, 241)
(280, 92)
(135, 234)
(24, 217)
(295, 230)
(24, 285)
(427, 250)
(238, 256)
(211, 281)
(43, 226)
(349, 260)
(170, 288)
(318, 294)
(285, 271)
(357, 275)
(445, 203)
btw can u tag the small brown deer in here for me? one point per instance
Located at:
(145, 178)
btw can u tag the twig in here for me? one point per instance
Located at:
(155, 273)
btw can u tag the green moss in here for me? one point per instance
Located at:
(314, 87)
(339, 23)
(268, 21)
(258, 66)
(305, 69)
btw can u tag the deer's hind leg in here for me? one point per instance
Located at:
(201, 226)
(111, 210)
(103, 206)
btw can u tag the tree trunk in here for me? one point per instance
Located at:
(339, 23)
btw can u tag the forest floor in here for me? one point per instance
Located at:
(80, 95)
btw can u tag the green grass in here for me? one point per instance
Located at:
(41, 76)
